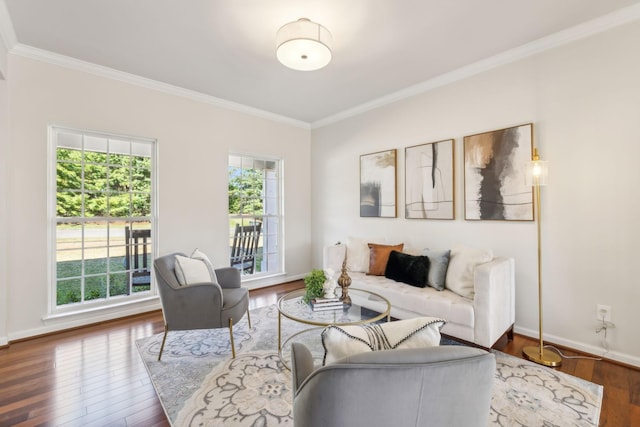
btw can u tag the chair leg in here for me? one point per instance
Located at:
(233, 347)
(249, 317)
(164, 338)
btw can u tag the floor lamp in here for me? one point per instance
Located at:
(537, 177)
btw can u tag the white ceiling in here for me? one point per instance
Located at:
(226, 48)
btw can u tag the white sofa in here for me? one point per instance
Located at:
(481, 320)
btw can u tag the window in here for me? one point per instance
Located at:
(255, 215)
(103, 213)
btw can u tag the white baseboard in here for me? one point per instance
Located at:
(582, 347)
(57, 323)
(61, 323)
(263, 282)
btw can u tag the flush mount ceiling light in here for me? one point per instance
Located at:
(303, 45)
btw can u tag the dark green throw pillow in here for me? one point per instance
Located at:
(410, 269)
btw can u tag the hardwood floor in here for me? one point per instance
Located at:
(93, 376)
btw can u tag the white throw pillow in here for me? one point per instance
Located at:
(343, 341)
(358, 253)
(462, 263)
(197, 269)
(198, 254)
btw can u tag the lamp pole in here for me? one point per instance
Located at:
(539, 354)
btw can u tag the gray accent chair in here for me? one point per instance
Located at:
(445, 386)
(202, 305)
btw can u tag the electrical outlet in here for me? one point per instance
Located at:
(603, 312)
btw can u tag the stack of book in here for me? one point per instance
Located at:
(318, 304)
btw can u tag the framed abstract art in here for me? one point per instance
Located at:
(378, 184)
(494, 175)
(429, 181)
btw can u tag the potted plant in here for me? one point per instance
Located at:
(313, 285)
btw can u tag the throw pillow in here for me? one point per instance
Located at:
(378, 257)
(439, 262)
(358, 254)
(463, 262)
(343, 341)
(194, 269)
(410, 269)
(198, 254)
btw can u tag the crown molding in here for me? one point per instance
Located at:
(584, 30)
(578, 32)
(7, 38)
(110, 73)
(7, 33)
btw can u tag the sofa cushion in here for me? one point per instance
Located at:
(463, 262)
(419, 332)
(379, 255)
(410, 269)
(439, 262)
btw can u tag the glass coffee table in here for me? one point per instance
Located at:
(292, 307)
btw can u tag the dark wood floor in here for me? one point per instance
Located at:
(94, 376)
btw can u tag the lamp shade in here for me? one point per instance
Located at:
(537, 171)
(303, 45)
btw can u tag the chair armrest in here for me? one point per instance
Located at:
(301, 364)
(494, 301)
(333, 256)
(228, 277)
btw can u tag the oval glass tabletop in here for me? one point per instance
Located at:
(293, 307)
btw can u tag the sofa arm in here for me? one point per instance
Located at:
(333, 256)
(494, 301)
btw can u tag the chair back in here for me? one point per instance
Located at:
(245, 246)
(167, 283)
(166, 273)
(137, 256)
(437, 386)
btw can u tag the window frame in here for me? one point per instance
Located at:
(113, 300)
(266, 218)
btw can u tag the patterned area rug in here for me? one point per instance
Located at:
(200, 385)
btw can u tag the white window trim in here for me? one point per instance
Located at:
(281, 215)
(91, 307)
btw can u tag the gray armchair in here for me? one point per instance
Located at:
(448, 386)
(202, 305)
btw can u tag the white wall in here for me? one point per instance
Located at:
(194, 140)
(584, 101)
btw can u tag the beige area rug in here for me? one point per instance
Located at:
(200, 385)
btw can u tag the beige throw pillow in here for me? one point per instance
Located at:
(462, 263)
(419, 332)
(357, 255)
(196, 269)
(198, 254)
